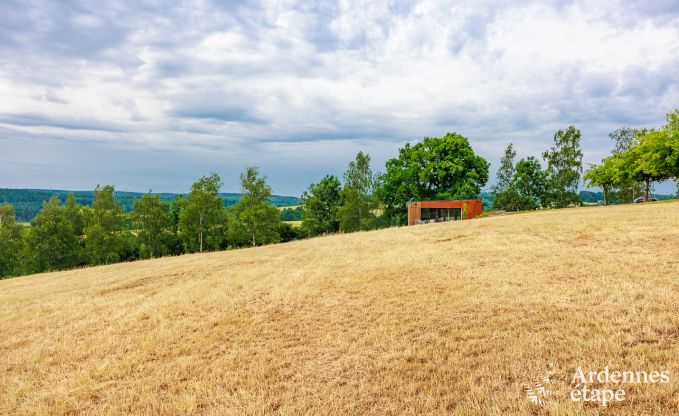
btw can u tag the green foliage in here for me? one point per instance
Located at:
(320, 204)
(436, 168)
(104, 227)
(202, 219)
(288, 232)
(523, 191)
(11, 242)
(254, 218)
(52, 242)
(640, 158)
(606, 176)
(505, 173)
(358, 196)
(530, 182)
(486, 200)
(153, 220)
(654, 158)
(510, 200)
(74, 213)
(291, 214)
(564, 165)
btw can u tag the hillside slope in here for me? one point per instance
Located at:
(441, 318)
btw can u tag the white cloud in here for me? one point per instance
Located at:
(327, 79)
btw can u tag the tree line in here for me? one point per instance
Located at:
(638, 160)
(71, 235)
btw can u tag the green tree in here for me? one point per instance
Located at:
(11, 242)
(510, 200)
(505, 173)
(436, 168)
(505, 197)
(564, 165)
(254, 217)
(530, 182)
(626, 188)
(604, 176)
(104, 227)
(671, 131)
(202, 219)
(154, 221)
(74, 214)
(358, 196)
(320, 204)
(651, 160)
(52, 242)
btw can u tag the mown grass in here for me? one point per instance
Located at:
(449, 318)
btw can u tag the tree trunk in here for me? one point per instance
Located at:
(647, 188)
(254, 233)
(200, 231)
(605, 193)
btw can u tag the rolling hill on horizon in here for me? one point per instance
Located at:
(447, 318)
(28, 202)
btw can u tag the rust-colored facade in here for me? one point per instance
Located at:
(437, 211)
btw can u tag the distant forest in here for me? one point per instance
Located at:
(28, 202)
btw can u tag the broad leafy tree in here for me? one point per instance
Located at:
(530, 182)
(153, 220)
(74, 214)
(525, 188)
(11, 242)
(564, 165)
(202, 218)
(254, 218)
(651, 160)
(104, 227)
(435, 168)
(626, 187)
(320, 204)
(605, 176)
(52, 242)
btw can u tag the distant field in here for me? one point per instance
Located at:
(433, 319)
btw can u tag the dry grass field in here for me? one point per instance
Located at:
(451, 318)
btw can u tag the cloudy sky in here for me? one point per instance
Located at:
(152, 95)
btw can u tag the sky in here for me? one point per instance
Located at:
(151, 95)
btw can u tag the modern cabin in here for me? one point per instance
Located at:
(422, 212)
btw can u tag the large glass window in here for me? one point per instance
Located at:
(441, 214)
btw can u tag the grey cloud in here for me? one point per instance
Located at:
(179, 100)
(227, 114)
(37, 120)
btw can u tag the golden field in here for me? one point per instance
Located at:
(452, 318)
